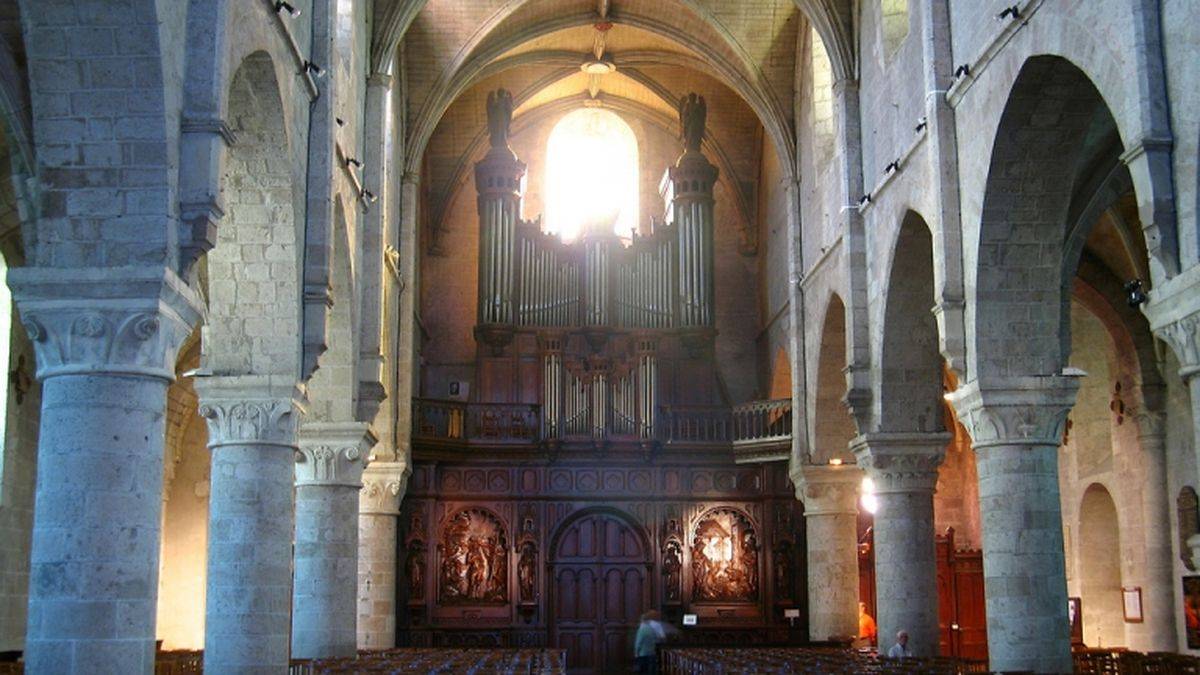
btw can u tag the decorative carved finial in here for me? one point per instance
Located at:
(692, 115)
(499, 112)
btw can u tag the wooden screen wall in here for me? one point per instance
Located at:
(570, 555)
(960, 595)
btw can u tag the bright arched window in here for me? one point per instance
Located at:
(591, 175)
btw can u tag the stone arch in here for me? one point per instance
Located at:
(333, 387)
(490, 42)
(1100, 568)
(1042, 143)
(253, 272)
(833, 427)
(909, 372)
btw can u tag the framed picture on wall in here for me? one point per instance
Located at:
(1131, 597)
(1075, 616)
(1191, 610)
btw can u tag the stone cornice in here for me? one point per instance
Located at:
(383, 488)
(1016, 410)
(250, 410)
(105, 321)
(828, 490)
(901, 462)
(1174, 316)
(333, 454)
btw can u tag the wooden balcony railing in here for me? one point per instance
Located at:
(758, 430)
(455, 422)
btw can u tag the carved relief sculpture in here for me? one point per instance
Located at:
(724, 558)
(474, 554)
(527, 572)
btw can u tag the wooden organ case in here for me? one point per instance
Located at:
(592, 477)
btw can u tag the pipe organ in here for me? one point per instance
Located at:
(600, 311)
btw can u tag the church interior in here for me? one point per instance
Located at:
(599, 336)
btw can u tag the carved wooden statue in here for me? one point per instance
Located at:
(414, 566)
(499, 113)
(693, 112)
(527, 573)
(672, 570)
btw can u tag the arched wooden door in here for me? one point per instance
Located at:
(601, 586)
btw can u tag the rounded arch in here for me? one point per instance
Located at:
(627, 519)
(833, 427)
(1052, 126)
(909, 370)
(488, 45)
(253, 272)
(1100, 568)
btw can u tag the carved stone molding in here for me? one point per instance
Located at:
(901, 462)
(827, 490)
(383, 486)
(1016, 410)
(119, 321)
(1183, 336)
(250, 410)
(333, 454)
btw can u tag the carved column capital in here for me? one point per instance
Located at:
(1151, 424)
(250, 410)
(383, 485)
(332, 453)
(827, 489)
(1016, 410)
(115, 321)
(1183, 336)
(901, 462)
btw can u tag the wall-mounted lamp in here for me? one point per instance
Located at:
(314, 69)
(371, 197)
(921, 124)
(350, 161)
(962, 70)
(281, 7)
(1136, 295)
(1010, 11)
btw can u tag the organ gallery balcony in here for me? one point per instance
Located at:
(755, 431)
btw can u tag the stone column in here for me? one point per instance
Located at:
(903, 467)
(106, 348)
(830, 496)
(1016, 424)
(1158, 592)
(378, 509)
(1183, 334)
(252, 423)
(329, 470)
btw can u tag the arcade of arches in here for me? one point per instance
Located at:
(358, 324)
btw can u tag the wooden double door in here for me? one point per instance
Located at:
(600, 587)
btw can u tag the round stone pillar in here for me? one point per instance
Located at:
(904, 470)
(1158, 601)
(378, 509)
(105, 360)
(251, 519)
(329, 470)
(830, 497)
(1016, 425)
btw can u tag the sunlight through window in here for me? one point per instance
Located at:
(591, 176)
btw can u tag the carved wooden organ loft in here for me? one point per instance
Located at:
(595, 341)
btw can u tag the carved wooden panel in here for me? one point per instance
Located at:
(568, 555)
(474, 560)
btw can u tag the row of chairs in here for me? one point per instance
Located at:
(441, 662)
(1123, 662)
(789, 660)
